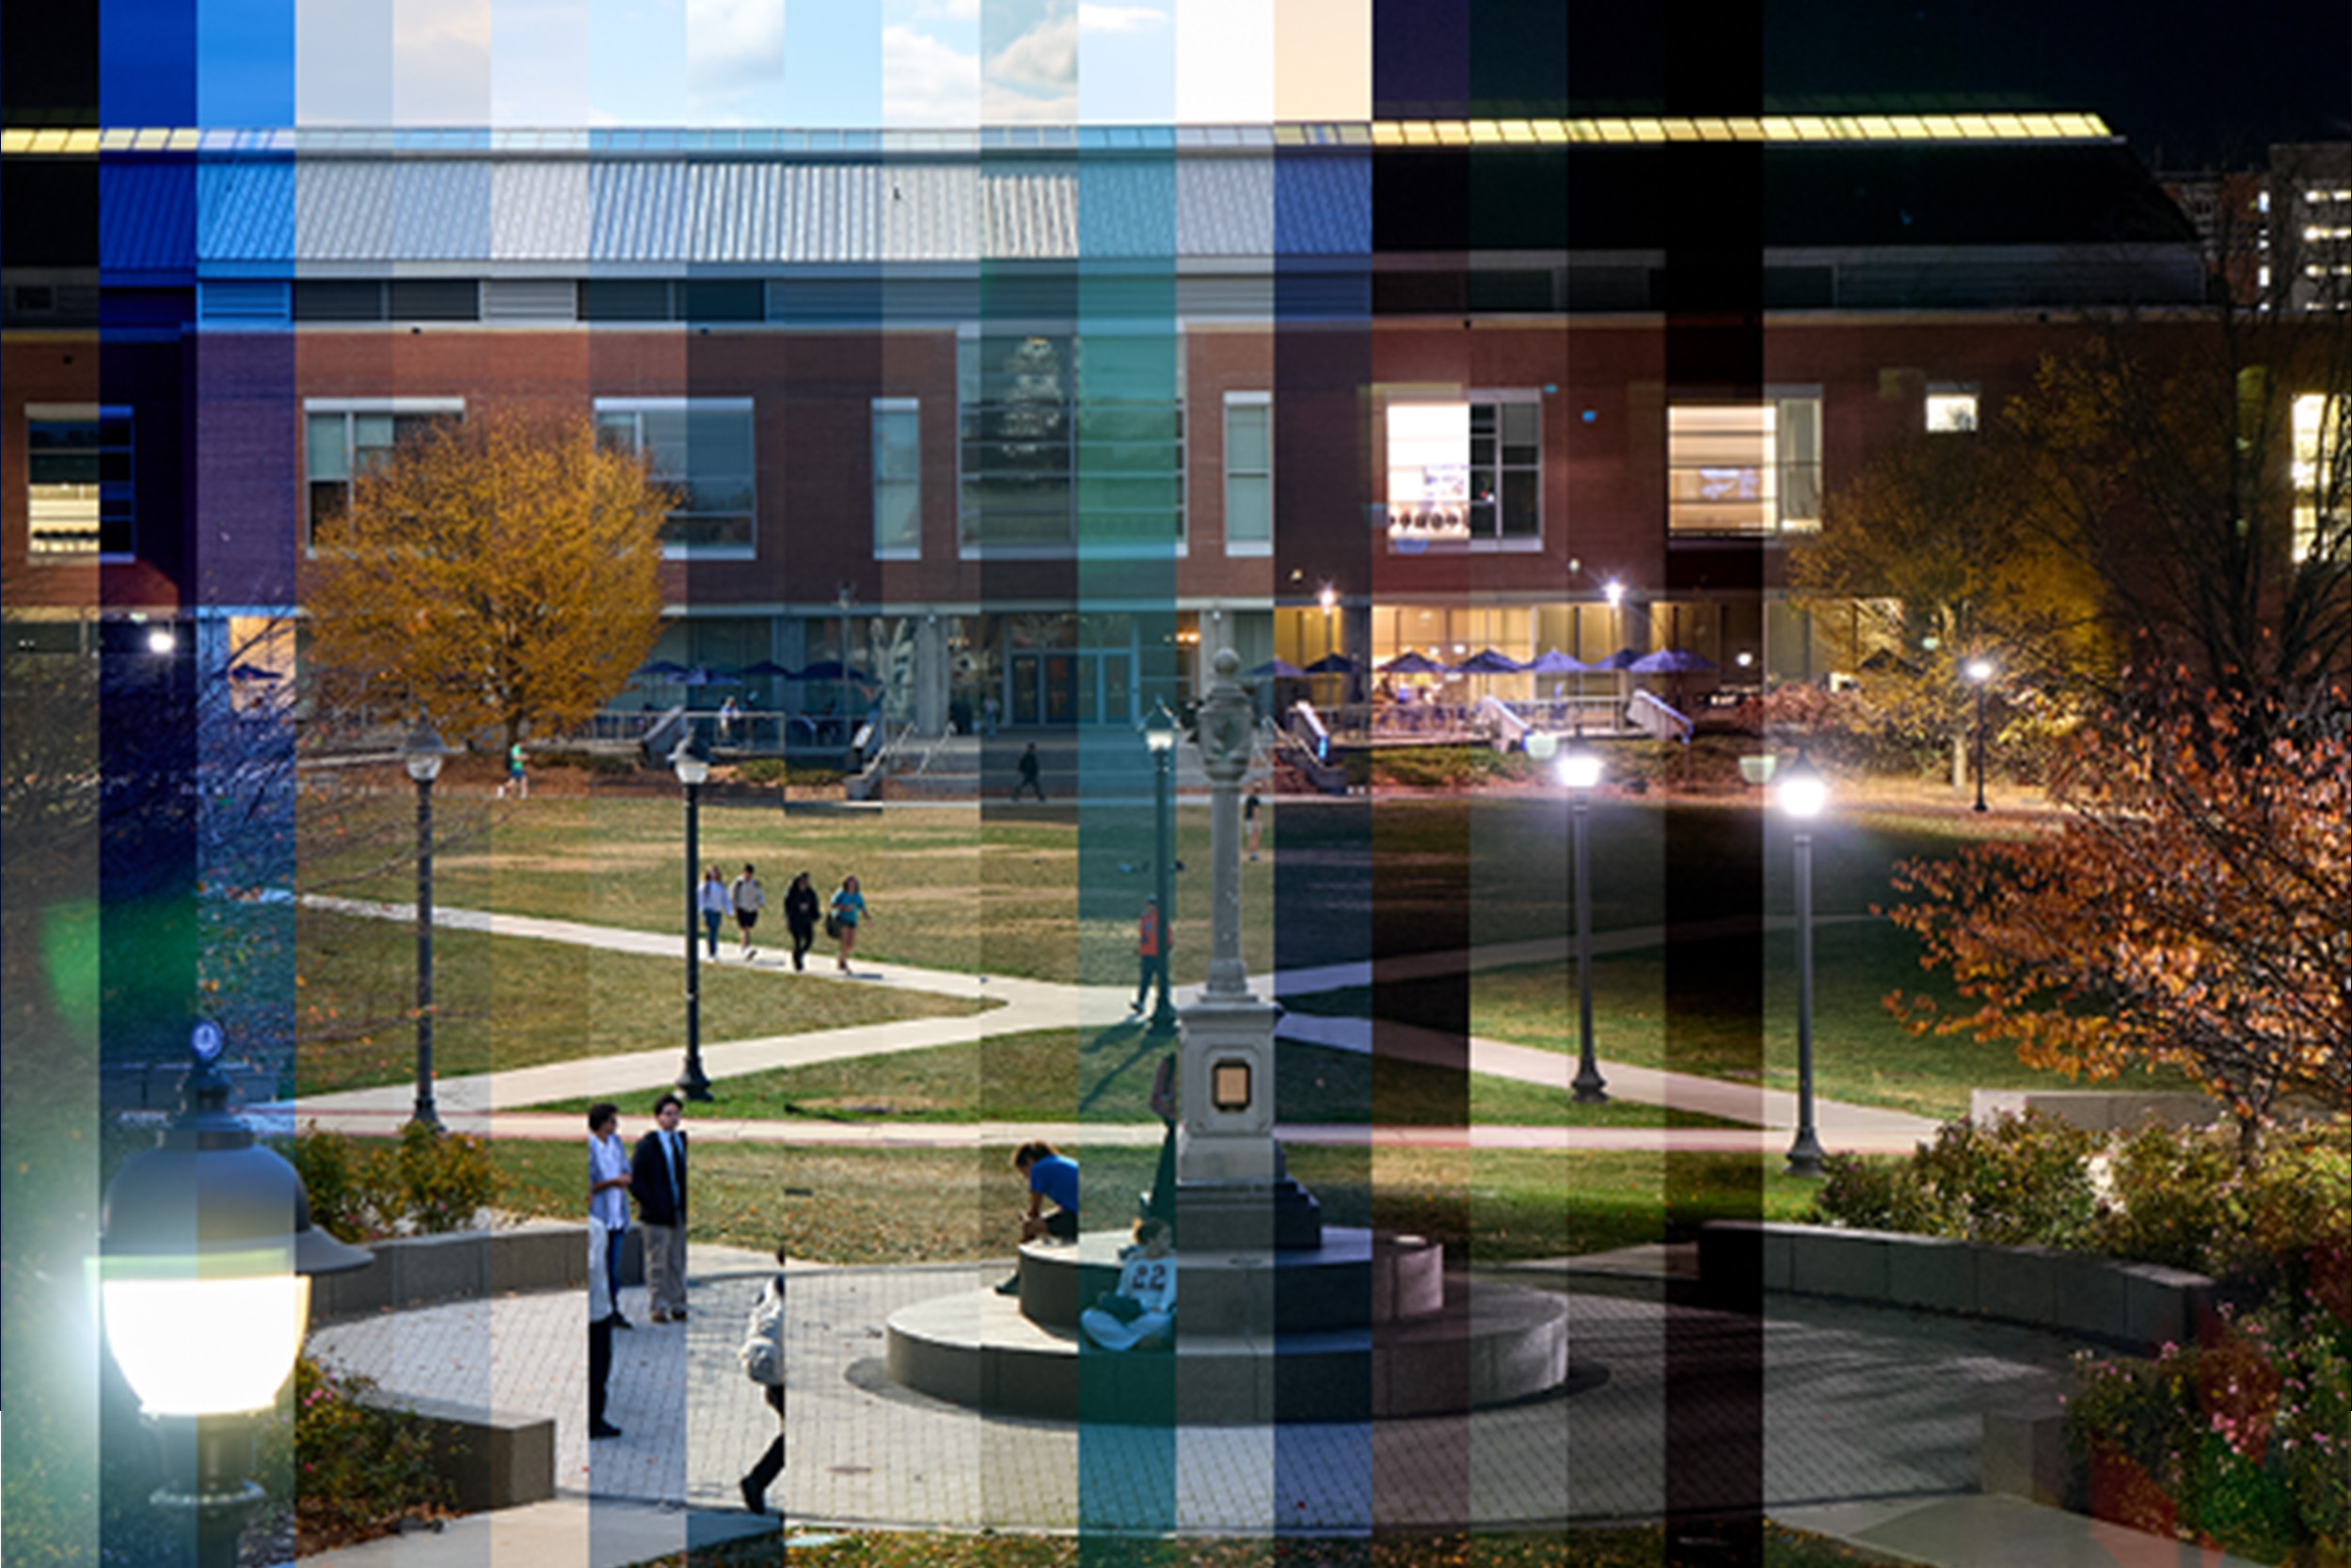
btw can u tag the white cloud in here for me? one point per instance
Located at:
(1005, 105)
(927, 83)
(1119, 19)
(732, 47)
(1043, 59)
(955, 11)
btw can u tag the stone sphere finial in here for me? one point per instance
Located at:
(1227, 663)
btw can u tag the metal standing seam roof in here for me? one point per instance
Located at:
(573, 213)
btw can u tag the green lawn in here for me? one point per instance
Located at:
(1861, 1053)
(1064, 1075)
(513, 1002)
(921, 1205)
(1038, 893)
(1607, 1547)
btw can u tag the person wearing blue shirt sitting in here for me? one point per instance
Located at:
(1051, 1177)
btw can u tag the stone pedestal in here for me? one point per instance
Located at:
(1231, 1190)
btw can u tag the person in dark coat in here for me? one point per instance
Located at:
(658, 1180)
(801, 915)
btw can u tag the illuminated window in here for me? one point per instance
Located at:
(898, 479)
(1249, 473)
(341, 440)
(1951, 409)
(79, 500)
(2320, 431)
(1745, 467)
(702, 448)
(1467, 473)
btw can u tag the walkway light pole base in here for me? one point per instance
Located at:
(1805, 1155)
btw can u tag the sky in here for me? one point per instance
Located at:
(2184, 80)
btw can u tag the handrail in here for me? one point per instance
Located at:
(1651, 716)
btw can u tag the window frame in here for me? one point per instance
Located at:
(1775, 492)
(1493, 401)
(1262, 403)
(603, 408)
(1951, 396)
(348, 410)
(119, 495)
(876, 409)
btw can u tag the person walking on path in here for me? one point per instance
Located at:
(766, 1333)
(799, 917)
(1250, 821)
(1028, 775)
(1051, 1177)
(1147, 942)
(609, 1182)
(749, 898)
(715, 902)
(842, 916)
(658, 1176)
(602, 1316)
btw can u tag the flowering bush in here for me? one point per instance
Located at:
(356, 1471)
(2181, 1197)
(2238, 1441)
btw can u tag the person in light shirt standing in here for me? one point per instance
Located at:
(608, 1196)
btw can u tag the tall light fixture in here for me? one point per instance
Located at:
(691, 761)
(205, 1256)
(1159, 734)
(1803, 794)
(422, 753)
(1579, 770)
(1979, 674)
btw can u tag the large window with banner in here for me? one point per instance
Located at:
(1059, 440)
(1745, 467)
(700, 448)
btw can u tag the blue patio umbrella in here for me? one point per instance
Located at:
(831, 670)
(1486, 661)
(767, 669)
(1279, 669)
(1624, 659)
(1413, 662)
(661, 669)
(1333, 664)
(1671, 661)
(698, 675)
(1551, 662)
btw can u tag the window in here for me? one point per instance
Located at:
(898, 479)
(1043, 469)
(2320, 434)
(1951, 409)
(1466, 473)
(1249, 473)
(79, 498)
(702, 448)
(1745, 467)
(341, 440)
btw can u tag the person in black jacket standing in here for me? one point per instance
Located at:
(657, 1178)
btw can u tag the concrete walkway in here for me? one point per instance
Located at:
(472, 1103)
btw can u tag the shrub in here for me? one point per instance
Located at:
(2238, 1441)
(428, 1183)
(588, 762)
(805, 775)
(2179, 1197)
(2019, 1179)
(445, 1178)
(356, 1470)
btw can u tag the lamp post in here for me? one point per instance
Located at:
(423, 751)
(205, 1256)
(1803, 793)
(1329, 598)
(1159, 734)
(1579, 770)
(690, 762)
(1979, 672)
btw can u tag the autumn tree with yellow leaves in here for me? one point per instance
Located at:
(502, 570)
(2187, 913)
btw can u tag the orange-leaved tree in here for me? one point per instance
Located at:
(500, 570)
(2188, 910)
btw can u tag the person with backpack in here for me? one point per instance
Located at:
(761, 1354)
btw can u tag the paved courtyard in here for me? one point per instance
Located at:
(1859, 1404)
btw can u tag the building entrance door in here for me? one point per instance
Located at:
(1090, 687)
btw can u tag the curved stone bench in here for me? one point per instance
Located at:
(2136, 1306)
(1243, 1355)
